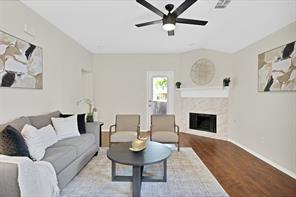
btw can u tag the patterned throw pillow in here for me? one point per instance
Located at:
(12, 143)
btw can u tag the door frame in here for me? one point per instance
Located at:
(171, 92)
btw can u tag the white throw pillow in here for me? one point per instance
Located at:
(66, 127)
(49, 136)
(34, 142)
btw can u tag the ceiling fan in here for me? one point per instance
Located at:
(169, 20)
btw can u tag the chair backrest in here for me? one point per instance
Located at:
(162, 123)
(127, 122)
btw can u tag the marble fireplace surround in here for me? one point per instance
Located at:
(217, 106)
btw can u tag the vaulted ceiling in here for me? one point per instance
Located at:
(108, 26)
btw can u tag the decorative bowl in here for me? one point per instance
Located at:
(138, 145)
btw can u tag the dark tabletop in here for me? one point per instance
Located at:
(154, 153)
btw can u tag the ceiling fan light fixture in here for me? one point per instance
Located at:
(169, 22)
(169, 26)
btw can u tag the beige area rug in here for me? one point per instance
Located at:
(187, 177)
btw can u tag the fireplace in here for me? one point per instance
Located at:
(203, 122)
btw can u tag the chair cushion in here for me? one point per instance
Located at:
(163, 123)
(80, 143)
(127, 122)
(124, 136)
(164, 136)
(60, 157)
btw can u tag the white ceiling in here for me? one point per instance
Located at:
(107, 26)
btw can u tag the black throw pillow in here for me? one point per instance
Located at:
(12, 143)
(80, 121)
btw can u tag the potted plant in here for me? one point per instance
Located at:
(91, 110)
(178, 84)
(89, 117)
(226, 82)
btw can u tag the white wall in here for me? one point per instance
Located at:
(264, 122)
(120, 83)
(120, 80)
(62, 63)
(222, 62)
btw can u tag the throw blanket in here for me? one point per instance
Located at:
(34, 178)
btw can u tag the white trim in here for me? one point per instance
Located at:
(210, 92)
(284, 170)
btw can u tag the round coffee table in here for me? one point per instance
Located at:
(154, 153)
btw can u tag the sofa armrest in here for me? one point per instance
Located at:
(9, 180)
(94, 128)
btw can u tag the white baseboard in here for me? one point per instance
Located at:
(284, 170)
(142, 131)
(205, 134)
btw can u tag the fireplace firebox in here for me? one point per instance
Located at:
(203, 122)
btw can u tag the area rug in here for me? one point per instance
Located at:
(187, 177)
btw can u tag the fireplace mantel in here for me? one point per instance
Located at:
(209, 92)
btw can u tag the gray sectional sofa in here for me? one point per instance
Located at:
(67, 156)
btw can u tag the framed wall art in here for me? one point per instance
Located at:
(21, 63)
(277, 69)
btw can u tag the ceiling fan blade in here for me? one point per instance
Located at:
(151, 7)
(171, 33)
(149, 23)
(191, 21)
(184, 6)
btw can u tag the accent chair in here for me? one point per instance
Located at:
(164, 130)
(126, 128)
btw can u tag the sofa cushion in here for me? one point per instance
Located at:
(43, 120)
(60, 157)
(18, 124)
(80, 143)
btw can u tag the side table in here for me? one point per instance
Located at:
(95, 126)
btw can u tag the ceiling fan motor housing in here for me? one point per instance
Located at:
(169, 19)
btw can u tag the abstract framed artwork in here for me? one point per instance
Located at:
(21, 63)
(277, 69)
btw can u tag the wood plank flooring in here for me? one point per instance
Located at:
(239, 172)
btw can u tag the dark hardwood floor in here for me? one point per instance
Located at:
(239, 172)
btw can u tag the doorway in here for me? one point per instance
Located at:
(160, 93)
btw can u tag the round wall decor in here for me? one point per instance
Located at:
(202, 71)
